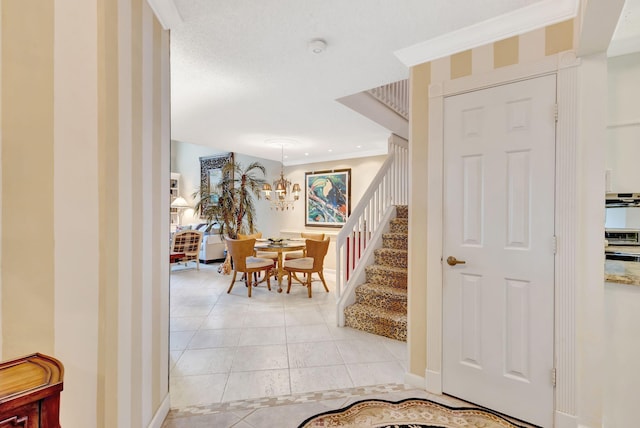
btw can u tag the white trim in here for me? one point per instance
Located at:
(435, 221)
(501, 27)
(162, 413)
(565, 65)
(567, 211)
(414, 380)
(562, 420)
(166, 12)
(433, 382)
(146, 285)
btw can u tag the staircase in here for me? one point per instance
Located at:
(381, 302)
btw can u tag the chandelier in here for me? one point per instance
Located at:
(285, 193)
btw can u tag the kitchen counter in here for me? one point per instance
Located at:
(622, 272)
(624, 249)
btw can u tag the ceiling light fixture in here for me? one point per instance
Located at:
(283, 188)
(317, 46)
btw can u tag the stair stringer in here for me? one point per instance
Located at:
(358, 276)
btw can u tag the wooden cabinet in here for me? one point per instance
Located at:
(30, 392)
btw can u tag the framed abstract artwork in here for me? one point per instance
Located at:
(327, 197)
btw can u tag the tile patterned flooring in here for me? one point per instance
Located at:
(228, 347)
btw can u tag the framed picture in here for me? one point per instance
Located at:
(327, 197)
(210, 177)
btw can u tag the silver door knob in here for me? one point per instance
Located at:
(452, 261)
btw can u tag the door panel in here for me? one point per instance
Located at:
(499, 218)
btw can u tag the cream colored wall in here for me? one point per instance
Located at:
(292, 222)
(623, 133)
(622, 306)
(27, 151)
(186, 162)
(84, 96)
(272, 223)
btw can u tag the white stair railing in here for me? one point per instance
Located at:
(389, 188)
(395, 96)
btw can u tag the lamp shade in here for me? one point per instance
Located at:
(179, 202)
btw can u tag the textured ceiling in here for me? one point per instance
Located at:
(242, 75)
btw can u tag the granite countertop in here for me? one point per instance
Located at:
(622, 272)
(625, 249)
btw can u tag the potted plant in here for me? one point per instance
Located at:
(230, 203)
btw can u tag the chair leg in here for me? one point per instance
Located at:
(309, 285)
(233, 280)
(289, 281)
(249, 283)
(266, 273)
(323, 283)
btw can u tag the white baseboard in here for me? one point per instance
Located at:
(563, 420)
(433, 381)
(414, 380)
(161, 414)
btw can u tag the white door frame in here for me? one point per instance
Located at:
(565, 66)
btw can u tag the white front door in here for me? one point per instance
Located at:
(499, 156)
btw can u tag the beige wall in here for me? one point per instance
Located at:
(520, 49)
(363, 170)
(27, 152)
(84, 107)
(186, 162)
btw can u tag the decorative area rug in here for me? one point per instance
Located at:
(409, 413)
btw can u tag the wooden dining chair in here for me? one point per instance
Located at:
(261, 254)
(312, 263)
(300, 254)
(241, 252)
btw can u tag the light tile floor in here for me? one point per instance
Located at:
(228, 347)
(273, 360)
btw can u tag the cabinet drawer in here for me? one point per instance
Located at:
(23, 417)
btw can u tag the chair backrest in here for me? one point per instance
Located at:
(240, 249)
(187, 242)
(256, 235)
(317, 250)
(315, 236)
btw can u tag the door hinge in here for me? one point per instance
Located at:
(553, 376)
(555, 112)
(554, 244)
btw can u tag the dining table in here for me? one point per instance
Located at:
(280, 246)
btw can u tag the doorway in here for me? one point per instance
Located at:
(498, 282)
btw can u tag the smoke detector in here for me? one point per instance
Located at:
(317, 46)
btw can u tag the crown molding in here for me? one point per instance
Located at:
(166, 12)
(501, 27)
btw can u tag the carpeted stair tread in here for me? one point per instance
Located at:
(382, 296)
(382, 322)
(386, 275)
(402, 211)
(399, 225)
(398, 241)
(381, 302)
(391, 257)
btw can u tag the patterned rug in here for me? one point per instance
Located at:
(409, 413)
